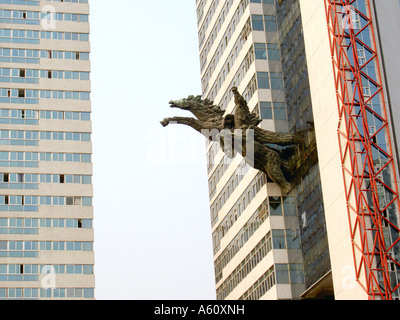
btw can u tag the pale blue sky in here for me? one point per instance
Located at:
(152, 221)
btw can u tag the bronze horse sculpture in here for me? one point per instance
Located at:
(239, 133)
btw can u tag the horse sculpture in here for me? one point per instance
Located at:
(239, 133)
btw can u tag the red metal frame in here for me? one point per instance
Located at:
(367, 212)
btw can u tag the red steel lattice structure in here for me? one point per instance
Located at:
(369, 196)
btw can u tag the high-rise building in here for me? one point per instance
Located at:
(46, 212)
(328, 69)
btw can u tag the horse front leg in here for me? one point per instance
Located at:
(193, 123)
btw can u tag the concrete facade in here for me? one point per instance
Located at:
(317, 247)
(46, 249)
(256, 248)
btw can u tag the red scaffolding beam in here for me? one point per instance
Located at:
(362, 118)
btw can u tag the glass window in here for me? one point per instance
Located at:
(296, 273)
(88, 293)
(3, 245)
(85, 75)
(280, 111)
(70, 269)
(86, 158)
(84, 37)
(78, 293)
(78, 269)
(292, 239)
(266, 110)
(289, 206)
(87, 224)
(84, 56)
(85, 96)
(276, 81)
(260, 51)
(87, 201)
(70, 201)
(273, 52)
(3, 222)
(282, 273)
(263, 80)
(87, 269)
(70, 244)
(76, 157)
(279, 239)
(86, 179)
(78, 246)
(85, 137)
(85, 116)
(258, 22)
(270, 23)
(275, 206)
(87, 246)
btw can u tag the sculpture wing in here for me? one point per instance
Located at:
(254, 119)
(243, 111)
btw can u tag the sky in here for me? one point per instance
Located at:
(152, 219)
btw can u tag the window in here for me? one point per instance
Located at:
(263, 80)
(258, 23)
(275, 206)
(280, 111)
(21, 93)
(85, 116)
(293, 239)
(260, 51)
(70, 201)
(273, 52)
(270, 24)
(282, 273)
(22, 73)
(278, 239)
(296, 273)
(289, 206)
(276, 81)
(266, 110)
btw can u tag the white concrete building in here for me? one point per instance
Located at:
(46, 210)
(269, 246)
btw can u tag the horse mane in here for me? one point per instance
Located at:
(208, 103)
